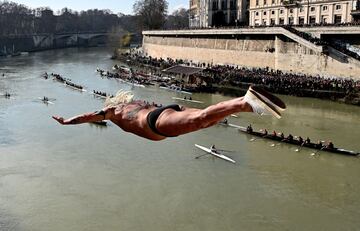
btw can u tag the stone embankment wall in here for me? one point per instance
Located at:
(273, 51)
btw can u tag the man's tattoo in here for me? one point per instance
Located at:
(132, 114)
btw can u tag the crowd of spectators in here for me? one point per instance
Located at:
(283, 82)
(275, 81)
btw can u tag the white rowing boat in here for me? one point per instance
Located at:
(219, 155)
(131, 83)
(100, 96)
(187, 100)
(232, 125)
(176, 89)
(46, 101)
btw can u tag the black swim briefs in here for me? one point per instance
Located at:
(154, 115)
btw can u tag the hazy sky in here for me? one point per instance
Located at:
(123, 6)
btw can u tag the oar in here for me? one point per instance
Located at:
(314, 153)
(299, 149)
(221, 150)
(202, 155)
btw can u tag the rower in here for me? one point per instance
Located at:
(330, 145)
(190, 98)
(319, 145)
(265, 133)
(185, 98)
(274, 133)
(307, 141)
(282, 135)
(225, 121)
(290, 137)
(213, 148)
(249, 129)
(301, 140)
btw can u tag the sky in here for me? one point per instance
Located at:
(116, 6)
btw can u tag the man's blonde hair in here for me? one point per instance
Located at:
(120, 97)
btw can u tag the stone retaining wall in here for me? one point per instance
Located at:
(273, 51)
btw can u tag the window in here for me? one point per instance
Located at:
(291, 11)
(324, 8)
(257, 2)
(223, 4)
(257, 13)
(301, 20)
(272, 22)
(302, 9)
(281, 21)
(338, 7)
(215, 5)
(264, 12)
(291, 20)
(264, 2)
(312, 20)
(312, 9)
(324, 19)
(272, 1)
(281, 11)
(273, 12)
(337, 19)
(232, 5)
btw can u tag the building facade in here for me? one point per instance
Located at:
(194, 13)
(299, 12)
(210, 13)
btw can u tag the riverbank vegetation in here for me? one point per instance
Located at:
(17, 19)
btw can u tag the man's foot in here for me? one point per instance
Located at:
(269, 98)
(264, 103)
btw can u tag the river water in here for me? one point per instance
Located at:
(92, 178)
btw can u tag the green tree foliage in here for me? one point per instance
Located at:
(17, 19)
(151, 13)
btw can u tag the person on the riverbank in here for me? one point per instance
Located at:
(158, 123)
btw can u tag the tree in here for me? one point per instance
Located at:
(151, 13)
(179, 19)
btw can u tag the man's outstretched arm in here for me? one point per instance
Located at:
(104, 114)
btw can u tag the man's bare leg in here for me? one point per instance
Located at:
(175, 123)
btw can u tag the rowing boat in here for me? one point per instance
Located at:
(75, 88)
(221, 156)
(98, 95)
(187, 100)
(296, 142)
(132, 83)
(46, 101)
(230, 125)
(176, 89)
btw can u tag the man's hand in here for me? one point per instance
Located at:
(59, 119)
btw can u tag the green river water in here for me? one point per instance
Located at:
(92, 178)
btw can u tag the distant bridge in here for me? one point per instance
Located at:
(33, 42)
